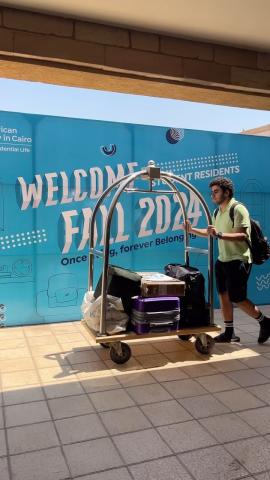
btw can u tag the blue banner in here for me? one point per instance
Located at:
(54, 169)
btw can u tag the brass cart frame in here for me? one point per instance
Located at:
(120, 352)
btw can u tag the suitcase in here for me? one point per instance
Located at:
(160, 314)
(194, 310)
(150, 288)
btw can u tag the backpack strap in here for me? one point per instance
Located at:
(231, 212)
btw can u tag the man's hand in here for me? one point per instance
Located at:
(187, 226)
(211, 230)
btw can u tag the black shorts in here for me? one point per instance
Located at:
(232, 277)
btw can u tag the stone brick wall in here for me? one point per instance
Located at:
(71, 40)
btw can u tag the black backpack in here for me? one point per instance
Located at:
(259, 246)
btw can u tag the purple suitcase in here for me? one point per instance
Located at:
(159, 314)
(155, 304)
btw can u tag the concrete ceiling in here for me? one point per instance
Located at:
(243, 23)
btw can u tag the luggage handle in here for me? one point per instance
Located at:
(159, 324)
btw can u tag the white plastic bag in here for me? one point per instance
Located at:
(116, 318)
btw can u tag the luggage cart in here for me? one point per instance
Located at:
(120, 351)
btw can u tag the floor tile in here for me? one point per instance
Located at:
(42, 465)
(169, 346)
(217, 383)
(92, 456)
(258, 418)
(169, 374)
(239, 399)
(14, 365)
(148, 393)
(164, 469)
(63, 389)
(247, 378)
(182, 437)
(141, 446)
(213, 463)
(100, 384)
(143, 349)
(41, 340)
(265, 371)
(79, 429)
(184, 388)
(262, 476)
(81, 356)
(19, 379)
(3, 446)
(228, 365)
(203, 406)
(262, 392)
(26, 413)
(152, 361)
(37, 331)
(23, 395)
(4, 475)
(111, 400)
(253, 454)
(56, 374)
(134, 379)
(115, 474)
(165, 413)
(9, 343)
(53, 349)
(12, 353)
(90, 369)
(70, 406)
(125, 420)
(227, 428)
(257, 362)
(199, 370)
(32, 437)
(49, 361)
(1, 417)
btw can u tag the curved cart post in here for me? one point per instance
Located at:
(103, 196)
(189, 186)
(181, 201)
(107, 229)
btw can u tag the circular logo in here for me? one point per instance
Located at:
(174, 135)
(109, 151)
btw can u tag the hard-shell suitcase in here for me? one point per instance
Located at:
(160, 314)
(156, 304)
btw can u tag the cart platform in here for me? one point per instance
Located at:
(120, 352)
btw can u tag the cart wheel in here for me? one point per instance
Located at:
(105, 345)
(185, 338)
(121, 353)
(204, 344)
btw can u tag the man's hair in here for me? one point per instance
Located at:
(224, 184)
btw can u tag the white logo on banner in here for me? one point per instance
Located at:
(263, 281)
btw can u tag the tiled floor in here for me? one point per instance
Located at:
(68, 412)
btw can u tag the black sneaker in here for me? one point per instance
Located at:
(264, 330)
(223, 338)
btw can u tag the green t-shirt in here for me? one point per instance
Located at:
(236, 250)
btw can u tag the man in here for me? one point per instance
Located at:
(234, 261)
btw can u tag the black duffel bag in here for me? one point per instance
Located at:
(194, 310)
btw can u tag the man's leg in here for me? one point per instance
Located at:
(226, 305)
(253, 311)
(227, 311)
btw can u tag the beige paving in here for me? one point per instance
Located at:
(67, 412)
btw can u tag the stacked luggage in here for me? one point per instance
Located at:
(158, 307)
(156, 302)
